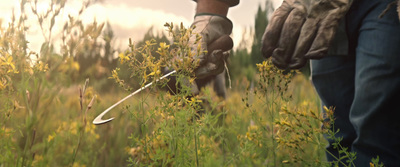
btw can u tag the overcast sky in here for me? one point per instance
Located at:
(132, 18)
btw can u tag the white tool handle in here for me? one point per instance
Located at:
(98, 120)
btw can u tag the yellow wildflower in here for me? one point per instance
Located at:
(9, 62)
(371, 164)
(248, 136)
(40, 66)
(164, 45)
(78, 165)
(74, 128)
(252, 128)
(123, 58)
(2, 84)
(50, 138)
(194, 100)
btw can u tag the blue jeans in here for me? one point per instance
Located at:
(364, 85)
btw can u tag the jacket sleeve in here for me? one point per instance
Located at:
(230, 2)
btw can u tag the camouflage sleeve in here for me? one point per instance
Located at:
(230, 2)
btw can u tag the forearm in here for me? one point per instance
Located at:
(212, 7)
(219, 7)
(229, 2)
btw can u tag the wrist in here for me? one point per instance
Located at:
(212, 7)
(211, 14)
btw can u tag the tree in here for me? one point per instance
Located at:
(260, 23)
(243, 62)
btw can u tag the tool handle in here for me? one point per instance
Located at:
(98, 120)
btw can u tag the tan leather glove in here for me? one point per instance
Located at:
(215, 31)
(301, 30)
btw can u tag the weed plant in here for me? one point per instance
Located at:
(268, 128)
(43, 123)
(45, 119)
(264, 129)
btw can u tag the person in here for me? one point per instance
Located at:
(211, 22)
(355, 62)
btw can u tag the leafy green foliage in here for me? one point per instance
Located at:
(269, 119)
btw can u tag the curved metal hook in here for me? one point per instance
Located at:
(98, 120)
(224, 43)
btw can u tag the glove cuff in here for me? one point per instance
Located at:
(210, 14)
(213, 23)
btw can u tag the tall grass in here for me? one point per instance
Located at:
(46, 121)
(275, 122)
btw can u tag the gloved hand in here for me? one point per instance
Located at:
(215, 31)
(301, 30)
(215, 39)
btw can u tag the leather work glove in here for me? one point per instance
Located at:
(215, 31)
(301, 30)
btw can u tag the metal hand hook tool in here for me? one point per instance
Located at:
(98, 120)
(224, 43)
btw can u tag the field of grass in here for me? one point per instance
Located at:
(48, 105)
(249, 128)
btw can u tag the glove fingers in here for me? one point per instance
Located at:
(297, 63)
(324, 36)
(306, 38)
(217, 56)
(279, 61)
(273, 31)
(214, 65)
(290, 33)
(327, 25)
(223, 43)
(218, 51)
(209, 69)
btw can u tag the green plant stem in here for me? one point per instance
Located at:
(336, 158)
(25, 149)
(272, 127)
(195, 140)
(223, 136)
(79, 143)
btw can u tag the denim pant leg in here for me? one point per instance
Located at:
(333, 79)
(375, 112)
(367, 89)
